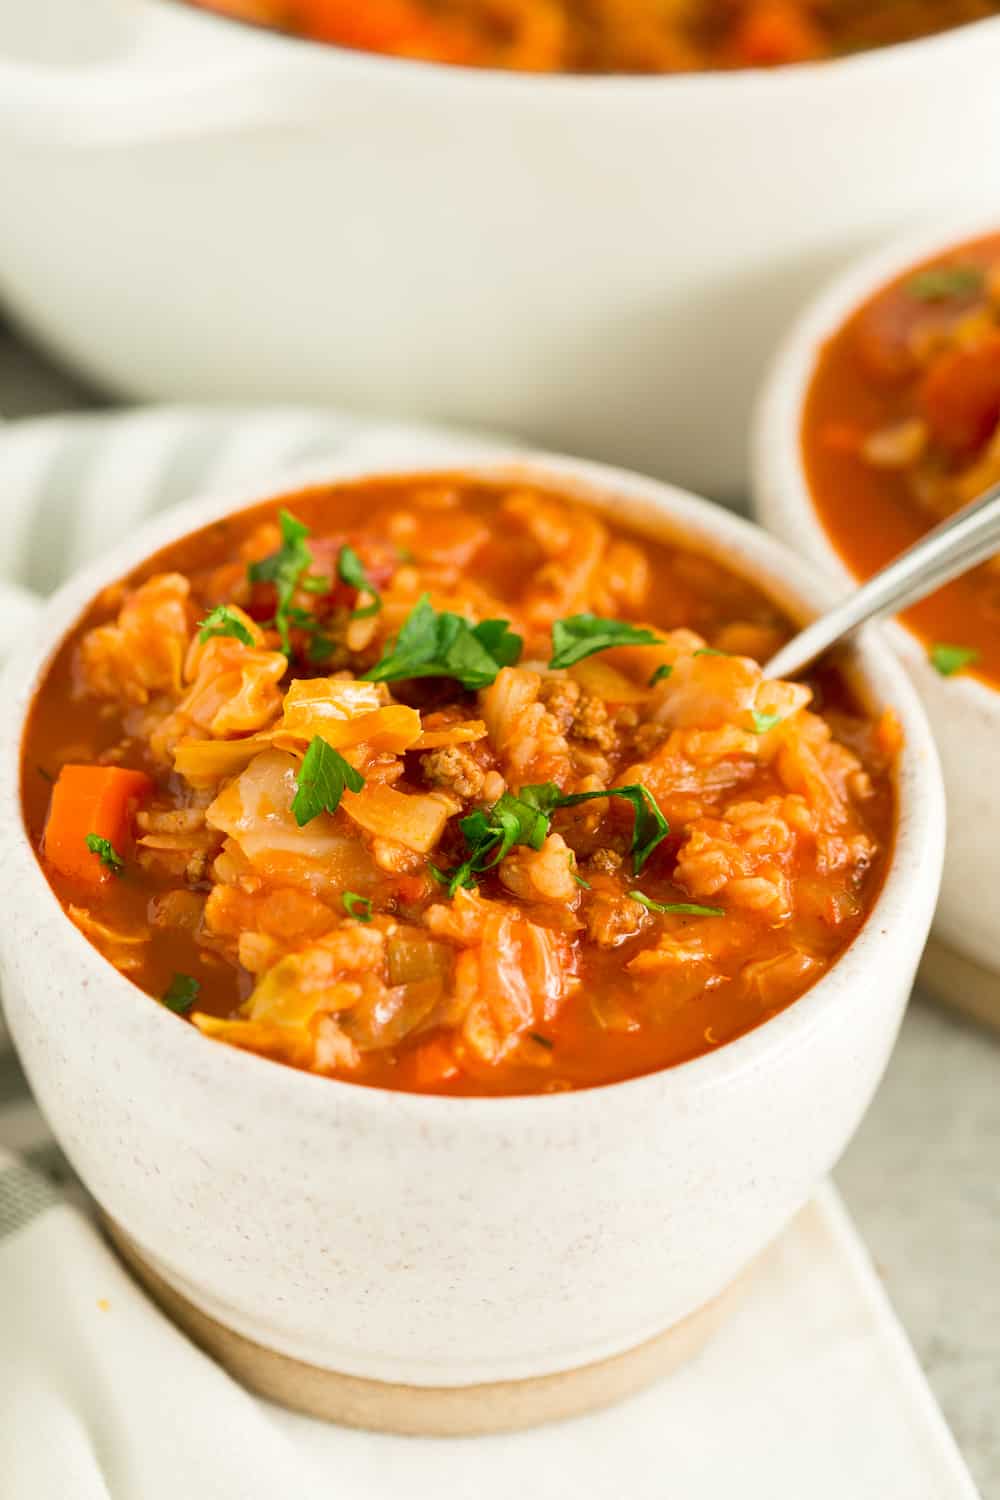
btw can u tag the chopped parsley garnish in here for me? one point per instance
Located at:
(660, 675)
(351, 570)
(287, 569)
(576, 874)
(764, 722)
(323, 775)
(942, 283)
(710, 651)
(452, 879)
(440, 644)
(578, 636)
(106, 853)
(223, 621)
(320, 648)
(525, 819)
(686, 908)
(649, 827)
(951, 659)
(180, 994)
(358, 907)
(491, 833)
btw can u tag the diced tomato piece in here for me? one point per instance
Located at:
(774, 32)
(960, 395)
(98, 800)
(263, 602)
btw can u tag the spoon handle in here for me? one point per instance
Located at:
(966, 538)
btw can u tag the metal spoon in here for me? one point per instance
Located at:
(966, 538)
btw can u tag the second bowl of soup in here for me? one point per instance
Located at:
(882, 417)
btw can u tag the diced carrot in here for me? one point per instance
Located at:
(434, 1062)
(86, 800)
(960, 395)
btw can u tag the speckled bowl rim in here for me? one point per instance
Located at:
(646, 504)
(782, 497)
(797, 81)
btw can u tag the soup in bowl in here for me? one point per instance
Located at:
(609, 36)
(882, 418)
(439, 948)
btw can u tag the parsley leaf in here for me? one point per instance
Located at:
(285, 569)
(496, 637)
(223, 621)
(578, 636)
(490, 833)
(660, 675)
(433, 644)
(180, 994)
(358, 907)
(323, 775)
(351, 570)
(525, 819)
(951, 659)
(320, 648)
(452, 879)
(688, 908)
(106, 853)
(941, 283)
(650, 827)
(763, 722)
(508, 822)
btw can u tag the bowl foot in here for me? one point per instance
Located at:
(425, 1411)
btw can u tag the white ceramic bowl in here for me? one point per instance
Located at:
(438, 1241)
(964, 712)
(599, 264)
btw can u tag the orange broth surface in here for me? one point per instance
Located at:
(902, 427)
(767, 807)
(609, 36)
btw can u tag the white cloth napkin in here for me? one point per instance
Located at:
(809, 1390)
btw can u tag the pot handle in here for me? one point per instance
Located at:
(18, 609)
(147, 69)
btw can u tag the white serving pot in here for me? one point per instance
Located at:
(964, 712)
(440, 1241)
(197, 209)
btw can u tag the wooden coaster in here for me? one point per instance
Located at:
(424, 1411)
(961, 984)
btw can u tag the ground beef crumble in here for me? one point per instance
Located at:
(454, 769)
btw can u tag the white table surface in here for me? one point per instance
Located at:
(922, 1177)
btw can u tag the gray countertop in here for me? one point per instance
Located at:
(922, 1176)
